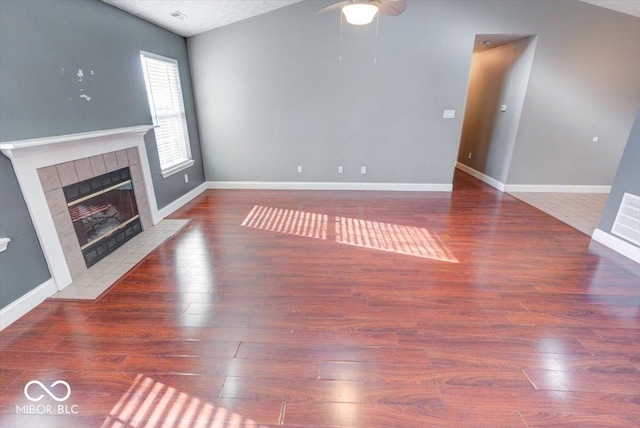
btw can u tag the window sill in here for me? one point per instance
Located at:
(177, 168)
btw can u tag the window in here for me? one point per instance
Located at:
(167, 109)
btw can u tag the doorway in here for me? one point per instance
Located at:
(498, 79)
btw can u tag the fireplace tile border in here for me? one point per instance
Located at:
(52, 177)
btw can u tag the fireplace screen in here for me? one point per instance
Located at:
(104, 213)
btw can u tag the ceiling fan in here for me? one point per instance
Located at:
(362, 12)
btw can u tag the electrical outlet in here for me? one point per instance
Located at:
(469, 155)
(186, 178)
(299, 169)
(363, 170)
(340, 170)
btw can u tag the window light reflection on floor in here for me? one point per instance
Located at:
(292, 222)
(390, 237)
(149, 404)
(408, 240)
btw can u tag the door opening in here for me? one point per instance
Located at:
(498, 78)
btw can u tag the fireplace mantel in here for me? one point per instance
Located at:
(27, 156)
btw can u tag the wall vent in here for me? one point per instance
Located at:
(627, 224)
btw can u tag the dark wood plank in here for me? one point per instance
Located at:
(372, 354)
(544, 419)
(531, 400)
(493, 359)
(240, 367)
(367, 372)
(292, 390)
(314, 414)
(150, 347)
(559, 380)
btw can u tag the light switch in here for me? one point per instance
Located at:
(503, 107)
(449, 114)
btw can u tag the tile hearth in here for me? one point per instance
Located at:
(109, 270)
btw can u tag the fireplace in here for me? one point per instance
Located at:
(104, 213)
(46, 167)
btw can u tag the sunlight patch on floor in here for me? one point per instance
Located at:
(149, 403)
(292, 222)
(395, 238)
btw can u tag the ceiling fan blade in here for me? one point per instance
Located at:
(335, 6)
(391, 7)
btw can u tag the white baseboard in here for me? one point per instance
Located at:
(480, 176)
(182, 200)
(556, 188)
(617, 244)
(24, 304)
(298, 185)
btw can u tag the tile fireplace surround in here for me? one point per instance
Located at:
(44, 165)
(53, 178)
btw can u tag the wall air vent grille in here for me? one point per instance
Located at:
(627, 224)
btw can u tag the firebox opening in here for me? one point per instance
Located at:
(104, 213)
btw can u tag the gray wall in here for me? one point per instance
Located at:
(22, 265)
(498, 76)
(627, 178)
(42, 46)
(271, 93)
(584, 83)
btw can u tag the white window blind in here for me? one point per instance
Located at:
(167, 109)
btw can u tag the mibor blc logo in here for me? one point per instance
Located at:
(35, 391)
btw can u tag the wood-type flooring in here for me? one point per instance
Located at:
(343, 309)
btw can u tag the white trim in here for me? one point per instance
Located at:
(27, 302)
(182, 200)
(300, 185)
(29, 155)
(177, 168)
(556, 188)
(616, 244)
(8, 147)
(480, 176)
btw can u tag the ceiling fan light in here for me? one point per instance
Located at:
(360, 13)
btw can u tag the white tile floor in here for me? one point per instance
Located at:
(107, 271)
(579, 210)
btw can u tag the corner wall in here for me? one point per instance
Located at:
(627, 181)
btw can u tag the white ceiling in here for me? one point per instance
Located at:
(201, 15)
(205, 15)
(630, 7)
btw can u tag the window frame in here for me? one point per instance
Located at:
(181, 114)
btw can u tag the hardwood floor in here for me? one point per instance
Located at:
(468, 308)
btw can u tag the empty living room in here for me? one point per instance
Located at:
(319, 213)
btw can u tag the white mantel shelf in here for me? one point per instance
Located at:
(12, 148)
